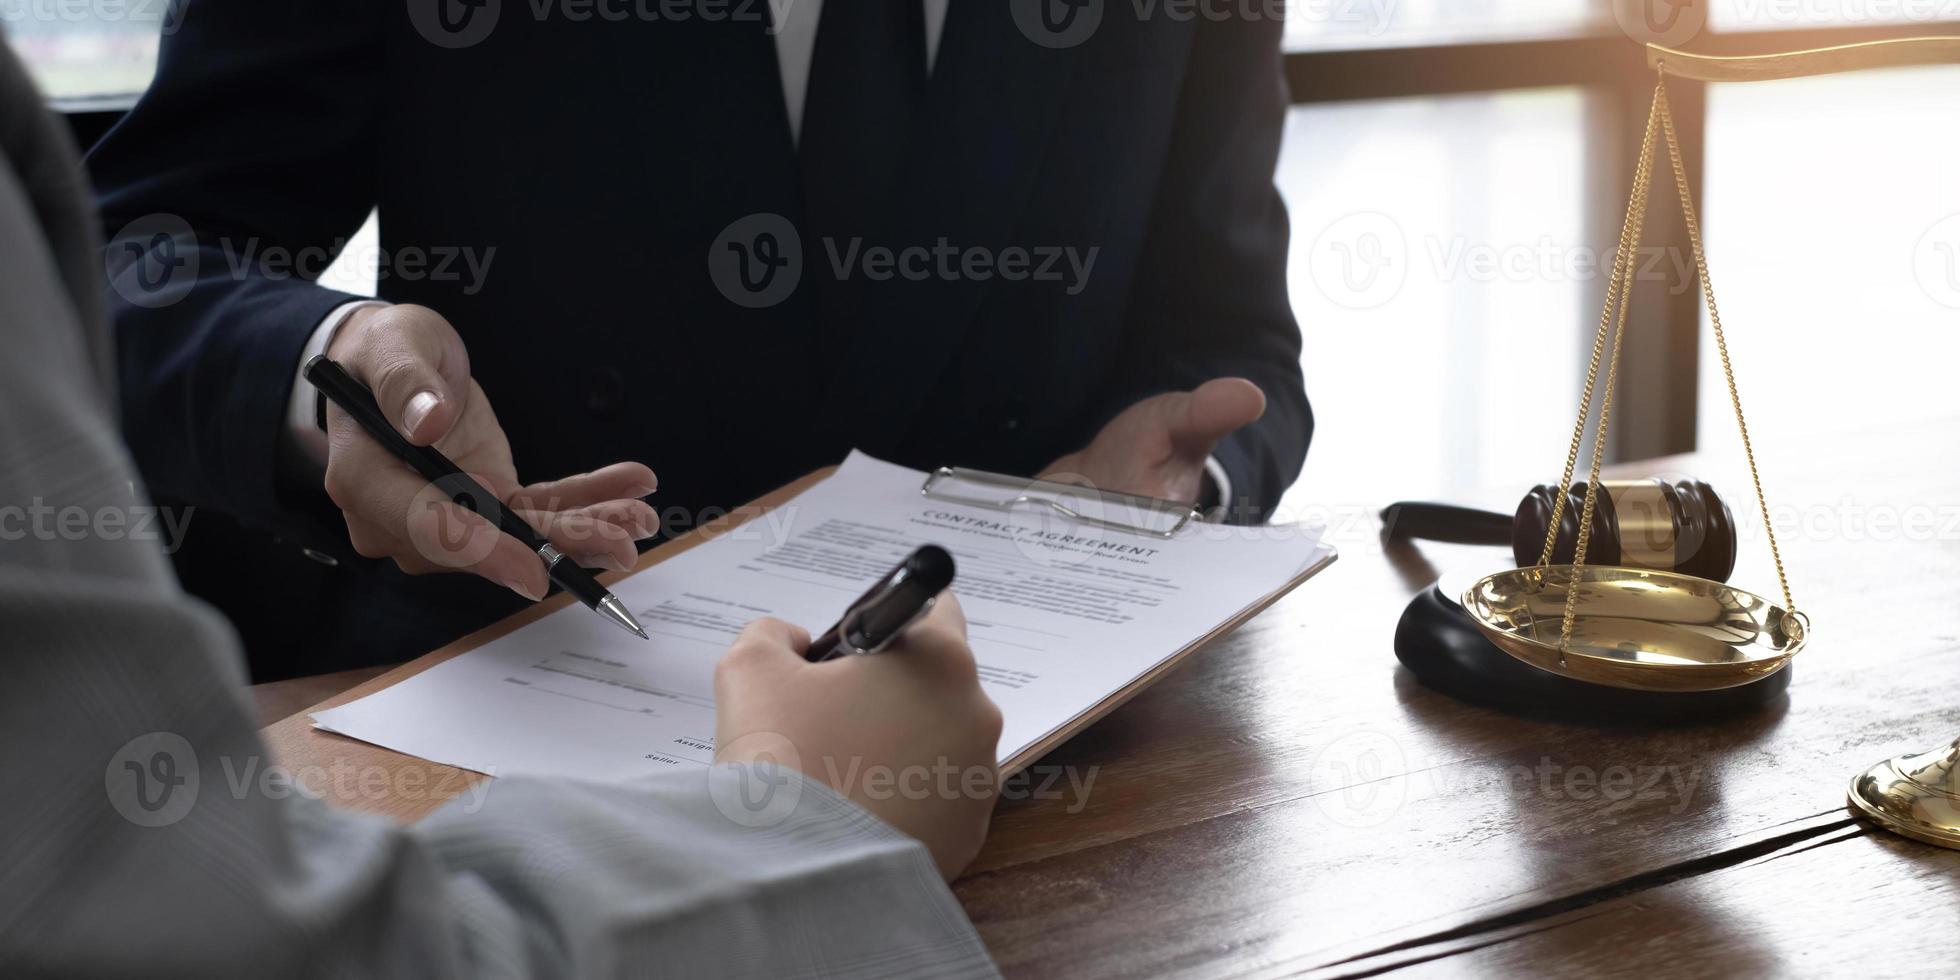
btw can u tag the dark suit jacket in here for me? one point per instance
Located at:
(601, 160)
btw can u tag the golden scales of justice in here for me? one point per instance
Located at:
(1654, 630)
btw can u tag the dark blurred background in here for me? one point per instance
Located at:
(1456, 173)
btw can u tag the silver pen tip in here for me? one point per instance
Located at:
(611, 608)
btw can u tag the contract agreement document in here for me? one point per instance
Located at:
(1066, 621)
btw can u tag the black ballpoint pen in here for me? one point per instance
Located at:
(887, 608)
(356, 400)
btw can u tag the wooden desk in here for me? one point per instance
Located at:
(1292, 801)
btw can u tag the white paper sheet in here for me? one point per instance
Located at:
(1060, 616)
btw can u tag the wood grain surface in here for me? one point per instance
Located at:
(1292, 801)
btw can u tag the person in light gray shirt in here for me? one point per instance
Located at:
(131, 847)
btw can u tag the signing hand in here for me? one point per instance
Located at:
(420, 374)
(1158, 446)
(906, 734)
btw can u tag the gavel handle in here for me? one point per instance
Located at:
(1444, 522)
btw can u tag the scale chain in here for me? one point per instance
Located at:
(1721, 343)
(1614, 314)
(1618, 297)
(1622, 270)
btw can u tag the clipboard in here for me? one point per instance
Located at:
(1126, 513)
(1085, 506)
(298, 745)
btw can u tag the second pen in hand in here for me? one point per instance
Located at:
(358, 402)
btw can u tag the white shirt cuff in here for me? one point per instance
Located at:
(1222, 482)
(305, 444)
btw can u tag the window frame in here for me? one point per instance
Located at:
(1612, 68)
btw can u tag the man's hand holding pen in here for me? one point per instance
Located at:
(419, 371)
(420, 375)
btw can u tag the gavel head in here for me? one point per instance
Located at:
(1677, 526)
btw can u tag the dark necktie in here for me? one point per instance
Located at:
(866, 92)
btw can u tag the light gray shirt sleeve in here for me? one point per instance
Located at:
(143, 839)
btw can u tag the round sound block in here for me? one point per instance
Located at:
(1440, 644)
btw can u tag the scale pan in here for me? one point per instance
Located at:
(1636, 628)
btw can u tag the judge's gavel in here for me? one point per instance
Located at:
(1678, 526)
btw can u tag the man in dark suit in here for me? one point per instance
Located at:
(732, 240)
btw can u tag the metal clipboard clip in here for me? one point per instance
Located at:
(1113, 511)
